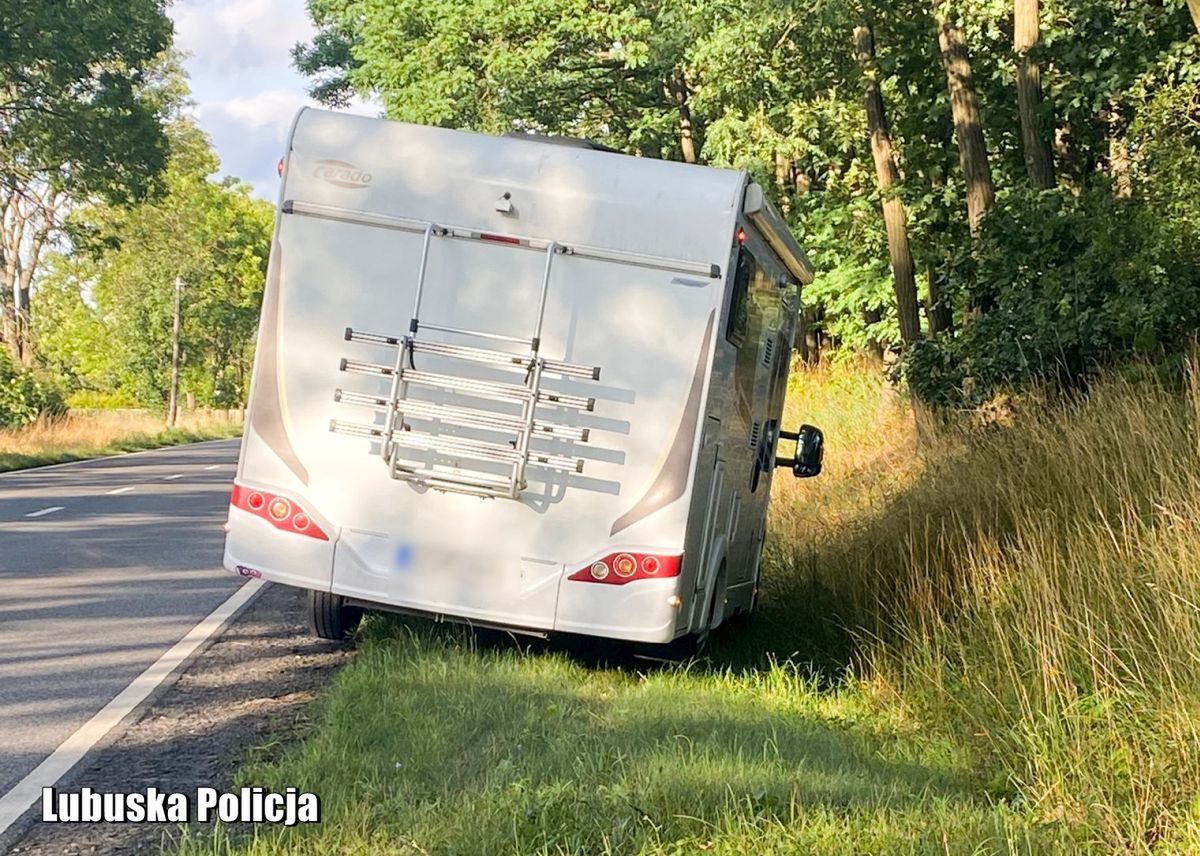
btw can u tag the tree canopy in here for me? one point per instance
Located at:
(984, 107)
(74, 102)
(85, 86)
(105, 311)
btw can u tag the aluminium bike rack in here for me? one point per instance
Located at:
(514, 454)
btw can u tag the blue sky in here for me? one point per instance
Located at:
(243, 84)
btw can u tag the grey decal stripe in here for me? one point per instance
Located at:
(266, 410)
(672, 479)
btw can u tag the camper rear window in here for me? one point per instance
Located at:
(739, 308)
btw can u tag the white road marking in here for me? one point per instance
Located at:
(212, 466)
(119, 491)
(45, 511)
(172, 478)
(29, 790)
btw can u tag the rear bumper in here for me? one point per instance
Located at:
(255, 548)
(640, 611)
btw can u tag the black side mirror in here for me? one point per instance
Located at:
(810, 452)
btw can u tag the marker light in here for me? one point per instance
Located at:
(279, 511)
(741, 236)
(625, 567)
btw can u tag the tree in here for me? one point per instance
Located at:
(29, 216)
(617, 71)
(1039, 160)
(887, 175)
(968, 123)
(78, 120)
(211, 236)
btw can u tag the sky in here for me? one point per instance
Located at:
(243, 84)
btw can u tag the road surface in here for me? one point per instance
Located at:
(104, 566)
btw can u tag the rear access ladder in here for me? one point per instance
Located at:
(497, 469)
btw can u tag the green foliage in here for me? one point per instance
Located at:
(1075, 282)
(105, 318)
(561, 66)
(26, 395)
(74, 104)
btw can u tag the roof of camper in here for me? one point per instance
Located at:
(573, 194)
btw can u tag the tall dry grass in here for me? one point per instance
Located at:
(91, 433)
(1031, 586)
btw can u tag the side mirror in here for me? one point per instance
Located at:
(810, 452)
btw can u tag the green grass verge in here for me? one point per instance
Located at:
(60, 454)
(428, 745)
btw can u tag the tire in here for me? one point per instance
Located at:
(329, 617)
(693, 645)
(680, 650)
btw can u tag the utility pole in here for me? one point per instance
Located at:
(173, 403)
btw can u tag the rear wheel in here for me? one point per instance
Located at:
(693, 645)
(329, 617)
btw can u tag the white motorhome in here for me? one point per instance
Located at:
(518, 382)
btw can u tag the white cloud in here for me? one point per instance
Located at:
(232, 36)
(271, 110)
(245, 88)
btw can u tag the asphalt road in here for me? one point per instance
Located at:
(104, 565)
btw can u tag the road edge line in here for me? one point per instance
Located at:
(71, 751)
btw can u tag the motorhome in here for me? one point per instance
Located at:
(518, 382)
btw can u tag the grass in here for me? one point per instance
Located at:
(86, 434)
(426, 745)
(974, 638)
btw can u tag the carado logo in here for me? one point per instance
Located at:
(342, 174)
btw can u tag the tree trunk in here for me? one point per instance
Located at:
(870, 318)
(811, 352)
(687, 130)
(941, 316)
(176, 329)
(28, 217)
(1194, 7)
(1039, 160)
(968, 127)
(1119, 166)
(1120, 160)
(895, 219)
(783, 178)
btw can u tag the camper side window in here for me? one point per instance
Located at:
(739, 306)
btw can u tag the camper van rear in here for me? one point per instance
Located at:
(516, 384)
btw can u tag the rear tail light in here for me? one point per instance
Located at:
(279, 509)
(280, 512)
(625, 567)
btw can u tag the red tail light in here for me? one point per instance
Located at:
(279, 511)
(625, 567)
